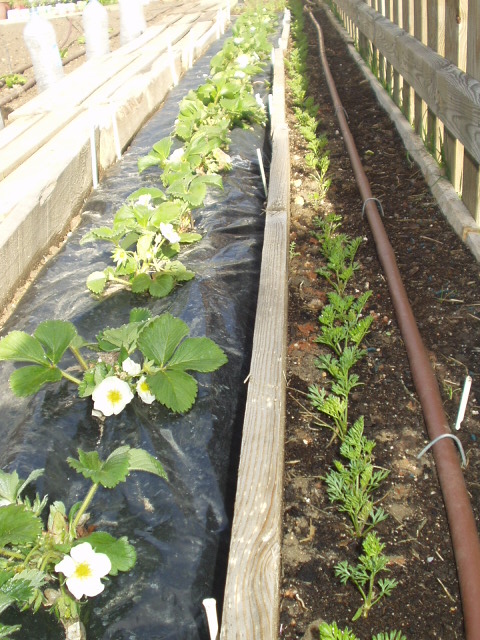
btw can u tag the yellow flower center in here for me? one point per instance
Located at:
(83, 570)
(114, 396)
(144, 387)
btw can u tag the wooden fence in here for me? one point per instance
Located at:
(426, 53)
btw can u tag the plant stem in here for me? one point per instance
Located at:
(122, 281)
(83, 508)
(70, 377)
(79, 357)
(11, 554)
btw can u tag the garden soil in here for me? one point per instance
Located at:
(442, 282)
(442, 278)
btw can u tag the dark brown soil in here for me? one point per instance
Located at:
(441, 278)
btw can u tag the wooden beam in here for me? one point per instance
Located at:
(251, 606)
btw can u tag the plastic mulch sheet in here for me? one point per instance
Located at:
(180, 529)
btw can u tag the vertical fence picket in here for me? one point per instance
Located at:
(471, 169)
(397, 78)
(407, 92)
(388, 66)
(380, 7)
(436, 41)
(420, 33)
(453, 149)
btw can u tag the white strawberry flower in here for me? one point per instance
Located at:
(242, 61)
(120, 256)
(145, 200)
(176, 156)
(131, 367)
(83, 569)
(111, 396)
(168, 232)
(144, 392)
(239, 74)
(259, 101)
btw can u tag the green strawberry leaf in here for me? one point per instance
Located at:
(166, 212)
(176, 390)
(56, 336)
(141, 460)
(18, 346)
(139, 315)
(161, 337)
(154, 192)
(30, 379)
(197, 354)
(144, 245)
(120, 552)
(141, 283)
(150, 160)
(96, 282)
(189, 238)
(101, 233)
(162, 147)
(7, 630)
(18, 525)
(109, 473)
(161, 285)
(11, 486)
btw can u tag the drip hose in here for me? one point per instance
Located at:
(463, 530)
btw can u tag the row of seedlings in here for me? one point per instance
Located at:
(354, 479)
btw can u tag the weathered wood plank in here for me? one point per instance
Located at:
(471, 168)
(251, 600)
(458, 106)
(397, 79)
(75, 88)
(278, 92)
(455, 53)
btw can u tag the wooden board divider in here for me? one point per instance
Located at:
(251, 599)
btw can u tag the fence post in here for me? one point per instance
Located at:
(471, 170)
(420, 33)
(455, 45)
(407, 91)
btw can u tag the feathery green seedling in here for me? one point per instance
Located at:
(340, 252)
(332, 632)
(339, 369)
(323, 165)
(352, 486)
(335, 407)
(305, 109)
(343, 323)
(291, 250)
(328, 226)
(364, 575)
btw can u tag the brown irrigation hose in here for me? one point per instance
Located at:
(463, 530)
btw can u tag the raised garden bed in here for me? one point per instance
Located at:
(434, 264)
